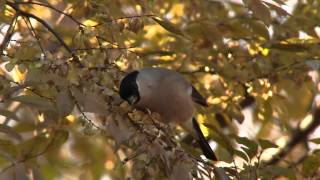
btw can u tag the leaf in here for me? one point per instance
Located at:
(119, 130)
(90, 102)
(235, 113)
(289, 47)
(60, 137)
(278, 9)
(35, 146)
(315, 140)
(10, 132)
(8, 147)
(168, 26)
(251, 147)
(276, 170)
(266, 144)
(65, 103)
(241, 154)
(9, 114)
(259, 10)
(260, 28)
(35, 101)
(9, 66)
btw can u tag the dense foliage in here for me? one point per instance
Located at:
(61, 63)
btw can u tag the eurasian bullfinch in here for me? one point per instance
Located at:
(168, 93)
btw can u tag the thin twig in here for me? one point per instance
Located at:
(34, 34)
(48, 27)
(9, 33)
(27, 158)
(126, 17)
(53, 8)
(299, 136)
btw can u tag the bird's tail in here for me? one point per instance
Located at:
(205, 147)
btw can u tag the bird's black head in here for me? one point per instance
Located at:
(129, 88)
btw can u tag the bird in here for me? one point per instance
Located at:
(169, 94)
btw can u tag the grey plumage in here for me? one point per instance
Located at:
(169, 94)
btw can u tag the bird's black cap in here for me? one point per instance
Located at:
(129, 87)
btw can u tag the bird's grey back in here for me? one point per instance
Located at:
(166, 92)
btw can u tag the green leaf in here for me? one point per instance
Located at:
(60, 137)
(266, 144)
(251, 147)
(290, 46)
(8, 147)
(168, 26)
(260, 28)
(9, 114)
(9, 66)
(10, 132)
(241, 154)
(35, 101)
(35, 146)
(315, 140)
(276, 171)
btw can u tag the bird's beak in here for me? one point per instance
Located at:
(132, 100)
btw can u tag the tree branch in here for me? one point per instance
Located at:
(298, 136)
(27, 158)
(9, 34)
(53, 8)
(47, 26)
(34, 34)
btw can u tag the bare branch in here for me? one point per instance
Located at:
(27, 158)
(48, 27)
(53, 8)
(9, 34)
(298, 137)
(126, 17)
(34, 34)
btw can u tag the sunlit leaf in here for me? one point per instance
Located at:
(168, 26)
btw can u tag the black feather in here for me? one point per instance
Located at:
(205, 147)
(129, 87)
(198, 98)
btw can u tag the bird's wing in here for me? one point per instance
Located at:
(197, 97)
